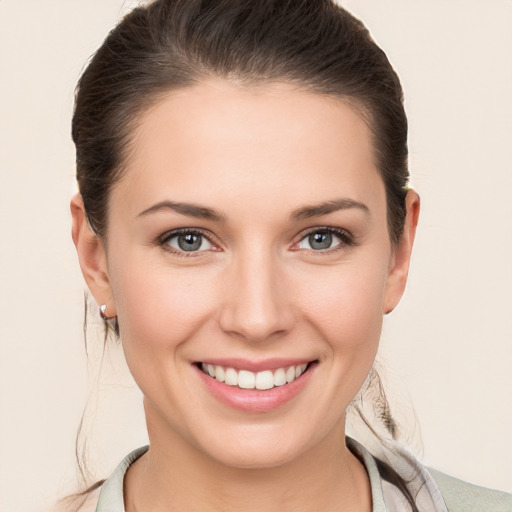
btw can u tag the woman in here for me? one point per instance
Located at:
(244, 222)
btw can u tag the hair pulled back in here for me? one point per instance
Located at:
(172, 44)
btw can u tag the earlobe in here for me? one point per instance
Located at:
(91, 255)
(399, 270)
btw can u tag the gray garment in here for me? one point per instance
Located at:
(434, 491)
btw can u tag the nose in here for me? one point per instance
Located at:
(256, 304)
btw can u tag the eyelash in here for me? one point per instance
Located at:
(164, 240)
(347, 240)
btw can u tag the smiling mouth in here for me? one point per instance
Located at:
(263, 380)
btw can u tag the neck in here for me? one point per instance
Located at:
(175, 475)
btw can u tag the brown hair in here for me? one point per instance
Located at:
(172, 44)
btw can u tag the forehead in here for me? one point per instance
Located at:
(210, 141)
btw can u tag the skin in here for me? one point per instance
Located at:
(257, 290)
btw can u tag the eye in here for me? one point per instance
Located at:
(324, 239)
(187, 241)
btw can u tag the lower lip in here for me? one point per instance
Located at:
(255, 400)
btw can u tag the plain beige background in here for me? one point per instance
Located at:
(447, 349)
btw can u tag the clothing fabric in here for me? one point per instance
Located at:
(434, 491)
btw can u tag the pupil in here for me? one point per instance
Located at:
(320, 240)
(189, 242)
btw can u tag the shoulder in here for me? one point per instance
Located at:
(462, 496)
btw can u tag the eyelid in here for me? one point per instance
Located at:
(173, 233)
(346, 237)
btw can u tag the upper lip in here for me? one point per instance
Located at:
(256, 366)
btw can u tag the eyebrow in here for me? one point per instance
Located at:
(306, 212)
(190, 209)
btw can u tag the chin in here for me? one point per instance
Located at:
(255, 458)
(257, 450)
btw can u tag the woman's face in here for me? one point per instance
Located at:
(249, 234)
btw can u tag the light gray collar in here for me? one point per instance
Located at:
(385, 496)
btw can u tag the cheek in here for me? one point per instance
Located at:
(161, 313)
(345, 304)
(159, 308)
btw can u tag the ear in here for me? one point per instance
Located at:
(92, 257)
(401, 257)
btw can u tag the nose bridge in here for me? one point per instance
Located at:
(255, 304)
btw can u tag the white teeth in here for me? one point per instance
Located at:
(264, 380)
(220, 374)
(279, 377)
(231, 377)
(299, 370)
(245, 379)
